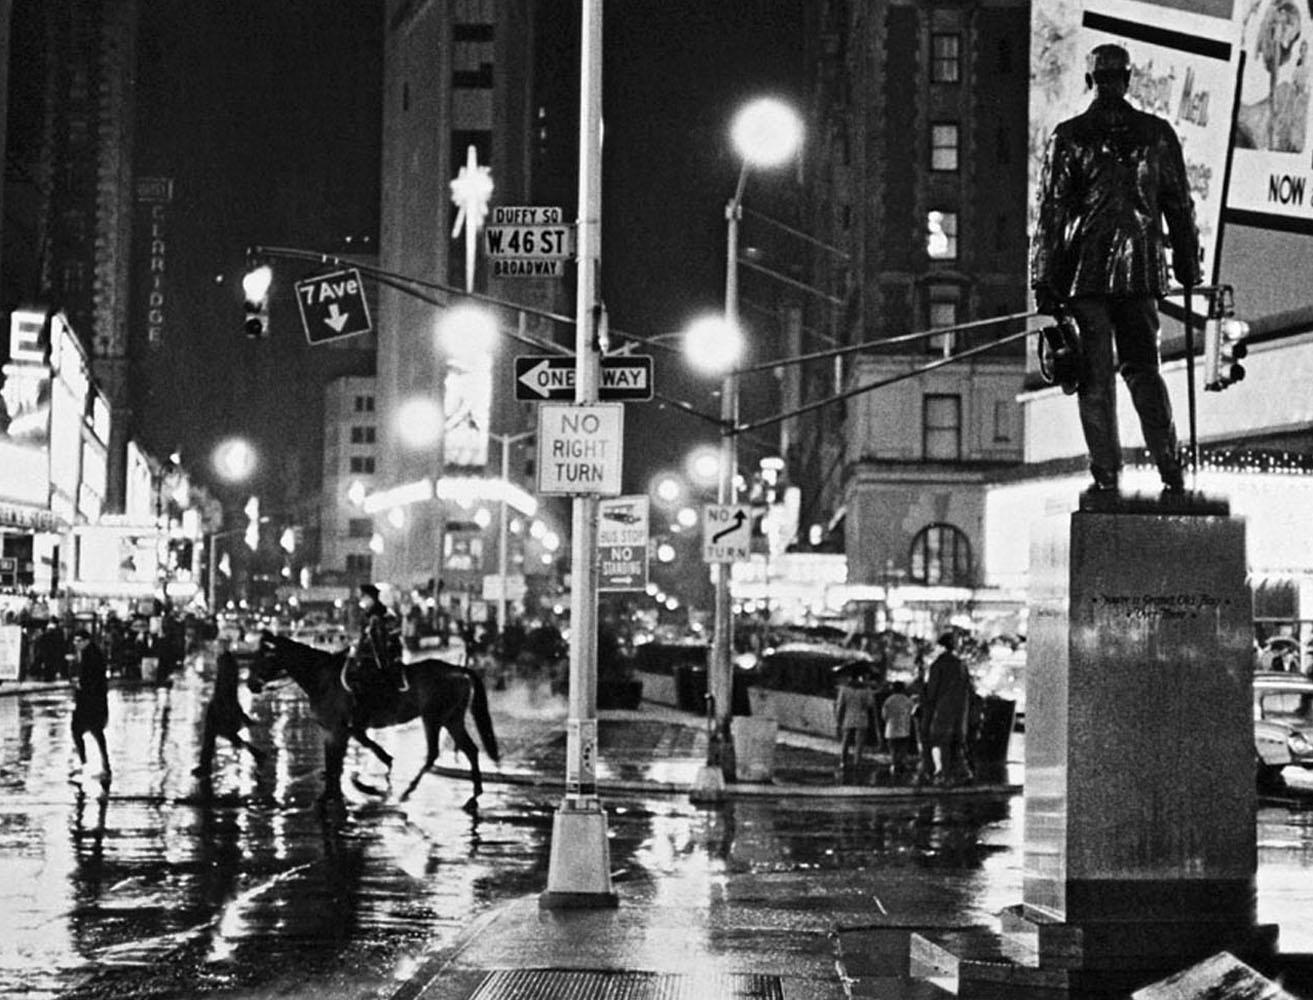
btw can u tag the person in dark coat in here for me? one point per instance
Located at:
(379, 646)
(1111, 177)
(224, 715)
(946, 703)
(90, 702)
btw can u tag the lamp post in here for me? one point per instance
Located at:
(212, 563)
(766, 133)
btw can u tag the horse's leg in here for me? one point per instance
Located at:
(432, 730)
(466, 745)
(367, 741)
(334, 754)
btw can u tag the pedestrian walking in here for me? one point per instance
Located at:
(854, 704)
(896, 714)
(224, 716)
(946, 703)
(90, 704)
(1111, 177)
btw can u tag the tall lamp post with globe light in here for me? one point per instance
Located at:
(233, 460)
(766, 133)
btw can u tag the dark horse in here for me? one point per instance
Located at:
(438, 695)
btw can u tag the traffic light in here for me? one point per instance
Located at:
(1224, 348)
(252, 511)
(255, 287)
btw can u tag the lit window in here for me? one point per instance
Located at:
(941, 235)
(945, 58)
(942, 311)
(941, 557)
(942, 427)
(1002, 421)
(943, 146)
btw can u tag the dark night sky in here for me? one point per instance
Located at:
(268, 117)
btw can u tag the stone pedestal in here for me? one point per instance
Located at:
(1140, 842)
(1139, 796)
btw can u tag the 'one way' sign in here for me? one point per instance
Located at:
(332, 306)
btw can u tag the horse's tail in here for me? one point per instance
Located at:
(482, 717)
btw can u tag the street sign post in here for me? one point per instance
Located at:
(726, 533)
(528, 241)
(622, 534)
(625, 378)
(333, 306)
(580, 449)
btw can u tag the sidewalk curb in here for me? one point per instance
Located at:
(736, 790)
(432, 968)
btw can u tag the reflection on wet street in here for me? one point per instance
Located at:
(160, 889)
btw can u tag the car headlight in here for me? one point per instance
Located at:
(1299, 744)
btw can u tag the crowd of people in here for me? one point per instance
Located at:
(926, 728)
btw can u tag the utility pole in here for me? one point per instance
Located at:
(579, 871)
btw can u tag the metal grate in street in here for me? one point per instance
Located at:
(594, 984)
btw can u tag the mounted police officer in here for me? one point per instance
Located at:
(378, 649)
(1111, 177)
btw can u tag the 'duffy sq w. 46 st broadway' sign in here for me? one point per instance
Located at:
(580, 448)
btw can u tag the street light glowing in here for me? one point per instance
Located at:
(704, 466)
(234, 460)
(419, 422)
(713, 344)
(766, 132)
(669, 490)
(468, 336)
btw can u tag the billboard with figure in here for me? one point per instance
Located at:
(1272, 175)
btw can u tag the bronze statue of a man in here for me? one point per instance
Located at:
(1111, 176)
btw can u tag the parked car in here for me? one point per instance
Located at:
(1283, 724)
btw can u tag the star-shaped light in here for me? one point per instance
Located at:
(470, 192)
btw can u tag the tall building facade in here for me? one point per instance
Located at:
(71, 125)
(458, 97)
(917, 170)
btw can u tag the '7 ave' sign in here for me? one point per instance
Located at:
(332, 306)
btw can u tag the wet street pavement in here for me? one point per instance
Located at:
(158, 890)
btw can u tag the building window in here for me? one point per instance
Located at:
(362, 435)
(359, 527)
(943, 146)
(941, 235)
(364, 404)
(1004, 63)
(1002, 146)
(942, 427)
(1002, 421)
(941, 310)
(945, 58)
(941, 557)
(362, 463)
(359, 563)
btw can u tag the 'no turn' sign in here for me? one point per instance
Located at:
(579, 448)
(726, 533)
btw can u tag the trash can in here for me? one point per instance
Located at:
(754, 747)
(691, 687)
(990, 751)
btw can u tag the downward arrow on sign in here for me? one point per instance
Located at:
(336, 318)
